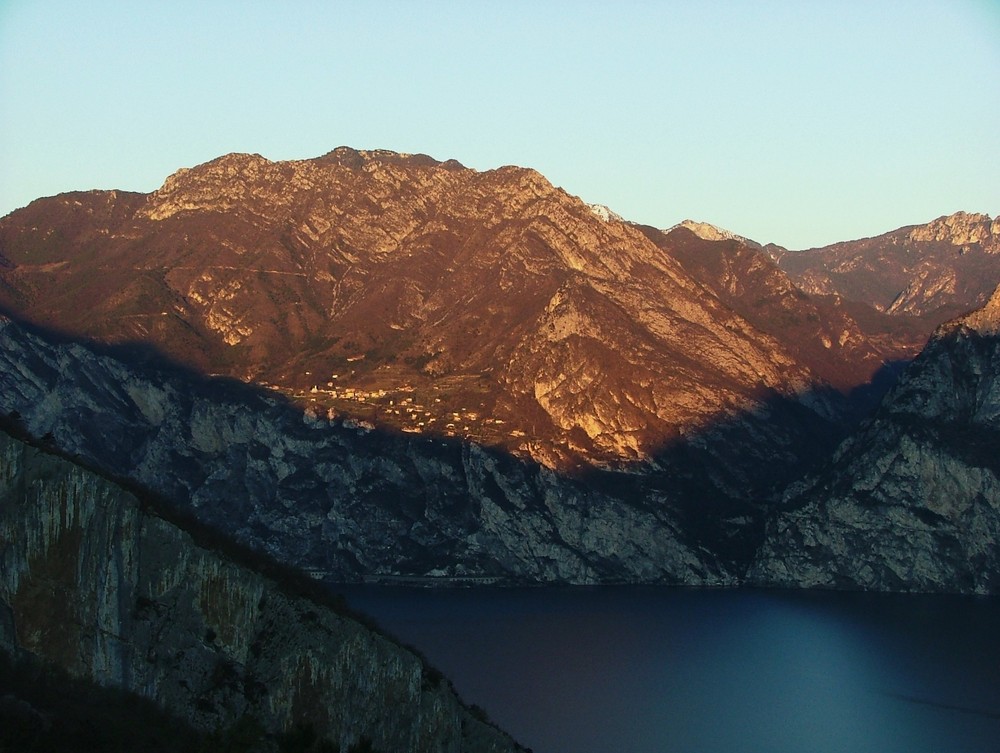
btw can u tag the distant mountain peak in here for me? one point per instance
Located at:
(356, 158)
(986, 320)
(606, 214)
(707, 231)
(961, 229)
(946, 266)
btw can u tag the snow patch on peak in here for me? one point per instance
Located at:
(604, 213)
(709, 232)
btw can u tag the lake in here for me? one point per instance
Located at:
(660, 670)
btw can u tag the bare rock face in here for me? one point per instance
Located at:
(100, 585)
(506, 311)
(709, 232)
(912, 502)
(942, 269)
(961, 229)
(984, 321)
(845, 344)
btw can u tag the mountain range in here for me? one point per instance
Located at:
(513, 314)
(476, 314)
(380, 367)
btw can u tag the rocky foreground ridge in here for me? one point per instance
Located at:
(95, 581)
(912, 501)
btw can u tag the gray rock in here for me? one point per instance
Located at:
(96, 582)
(339, 500)
(912, 501)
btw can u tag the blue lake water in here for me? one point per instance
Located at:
(658, 670)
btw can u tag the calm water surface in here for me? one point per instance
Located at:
(656, 670)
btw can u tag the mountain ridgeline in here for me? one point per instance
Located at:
(101, 584)
(422, 295)
(934, 270)
(436, 372)
(376, 367)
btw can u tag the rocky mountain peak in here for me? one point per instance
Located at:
(961, 229)
(707, 231)
(940, 269)
(220, 184)
(605, 213)
(358, 158)
(985, 321)
(236, 182)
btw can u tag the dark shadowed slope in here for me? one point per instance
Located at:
(912, 501)
(99, 584)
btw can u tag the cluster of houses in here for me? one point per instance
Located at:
(400, 407)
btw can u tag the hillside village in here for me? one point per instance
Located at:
(402, 407)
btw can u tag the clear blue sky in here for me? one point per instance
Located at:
(796, 122)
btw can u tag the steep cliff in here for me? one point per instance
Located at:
(98, 583)
(912, 501)
(352, 502)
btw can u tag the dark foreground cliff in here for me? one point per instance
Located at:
(96, 582)
(912, 501)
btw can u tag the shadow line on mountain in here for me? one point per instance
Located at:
(716, 484)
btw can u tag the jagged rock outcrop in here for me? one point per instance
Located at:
(912, 502)
(961, 229)
(940, 270)
(98, 583)
(349, 501)
(605, 213)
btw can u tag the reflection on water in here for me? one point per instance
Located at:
(649, 669)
